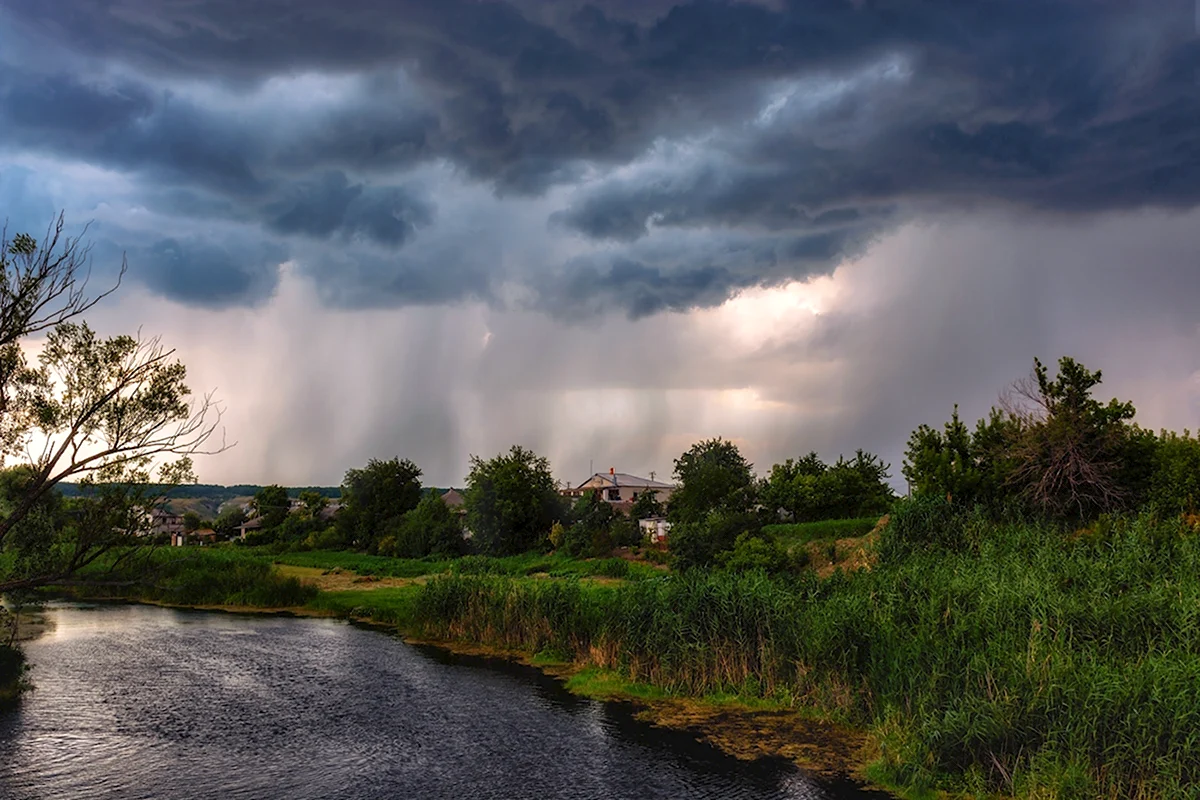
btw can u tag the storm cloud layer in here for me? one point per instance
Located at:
(667, 155)
(530, 211)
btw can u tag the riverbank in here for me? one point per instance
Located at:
(743, 728)
(1020, 662)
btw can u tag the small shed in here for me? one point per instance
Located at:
(656, 528)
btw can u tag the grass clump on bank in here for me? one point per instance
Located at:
(203, 576)
(1017, 661)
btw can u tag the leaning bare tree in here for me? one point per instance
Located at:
(113, 414)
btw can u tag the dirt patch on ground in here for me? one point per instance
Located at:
(820, 748)
(850, 554)
(341, 580)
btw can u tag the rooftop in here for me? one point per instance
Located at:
(622, 479)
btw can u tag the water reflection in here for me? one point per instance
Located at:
(140, 702)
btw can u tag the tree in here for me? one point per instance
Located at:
(647, 505)
(104, 411)
(713, 476)
(272, 505)
(313, 503)
(191, 521)
(511, 501)
(791, 486)
(374, 496)
(590, 533)
(944, 462)
(1071, 456)
(432, 528)
(700, 543)
(1175, 484)
(229, 520)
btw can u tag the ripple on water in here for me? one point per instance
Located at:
(143, 702)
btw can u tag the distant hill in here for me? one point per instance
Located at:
(206, 499)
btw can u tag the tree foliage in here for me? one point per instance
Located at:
(590, 533)
(647, 505)
(1052, 448)
(115, 414)
(229, 520)
(430, 529)
(271, 504)
(807, 490)
(376, 496)
(511, 501)
(713, 476)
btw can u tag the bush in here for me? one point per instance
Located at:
(752, 552)
(922, 523)
(432, 528)
(696, 544)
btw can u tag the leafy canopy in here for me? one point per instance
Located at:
(713, 476)
(512, 501)
(375, 496)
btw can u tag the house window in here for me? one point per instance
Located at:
(614, 495)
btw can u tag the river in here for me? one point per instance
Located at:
(146, 702)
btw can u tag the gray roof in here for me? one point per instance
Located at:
(625, 479)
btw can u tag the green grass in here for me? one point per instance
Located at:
(799, 533)
(607, 684)
(392, 606)
(553, 564)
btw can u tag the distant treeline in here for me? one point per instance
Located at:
(212, 491)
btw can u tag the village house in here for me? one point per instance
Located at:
(454, 500)
(160, 522)
(249, 526)
(620, 488)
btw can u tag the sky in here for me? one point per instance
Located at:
(608, 230)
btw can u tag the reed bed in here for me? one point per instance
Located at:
(1026, 662)
(197, 576)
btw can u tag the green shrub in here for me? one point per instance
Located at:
(752, 553)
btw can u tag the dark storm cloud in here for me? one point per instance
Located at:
(674, 276)
(331, 204)
(127, 126)
(822, 124)
(206, 273)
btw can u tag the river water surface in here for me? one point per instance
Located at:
(145, 702)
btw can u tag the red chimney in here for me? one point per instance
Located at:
(612, 470)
